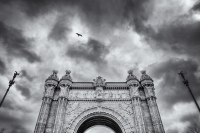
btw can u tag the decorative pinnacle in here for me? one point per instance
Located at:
(55, 72)
(131, 76)
(145, 76)
(53, 76)
(67, 75)
(143, 71)
(130, 72)
(68, 72)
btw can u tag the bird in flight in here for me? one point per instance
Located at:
(79, 34)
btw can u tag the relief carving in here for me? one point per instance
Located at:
(99, 93)
(127, 108)
(72, 107)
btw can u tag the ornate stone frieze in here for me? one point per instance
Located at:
(93, 94)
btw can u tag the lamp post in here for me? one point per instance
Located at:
(11, 82)
(185, 81)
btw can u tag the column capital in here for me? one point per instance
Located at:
(49, 86)
(64, 88)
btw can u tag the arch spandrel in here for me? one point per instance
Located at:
(123, 123)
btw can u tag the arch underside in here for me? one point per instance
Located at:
(99, 120)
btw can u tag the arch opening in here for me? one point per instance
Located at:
(99, 120)
(99, 129)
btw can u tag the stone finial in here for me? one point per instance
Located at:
(53, 76)
(99, 81)
(145, 76)
(143, 71)
(130, 72)
(68, 71)
(131, 76)
(67, 76)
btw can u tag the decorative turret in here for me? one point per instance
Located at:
(53, 76)
(147, 82)
(133, 84)
(50, 84)
(145, 76)
(132, 80)
(65, 83)
(67, 76)
(131, 76)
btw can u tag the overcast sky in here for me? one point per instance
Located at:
(38, 36)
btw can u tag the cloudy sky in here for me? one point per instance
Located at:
(38, 36)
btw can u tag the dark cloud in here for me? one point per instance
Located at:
(180, 37)
(173, 131)
(12, 124)
(16, 44)
(92, 51)
(8, 103)
(24, 91)
(59, 30)
(196, 7)
(24, 73)
(2, 67)
(137, 12)
(97, 14)
(172, 89)
(191, 118)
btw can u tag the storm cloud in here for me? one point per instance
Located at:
(16, 44)
(191, 118)
(59, 30)
(24, 73)
(97, 14)
(93, 51)
(14, 122)
(196, 7)
(24, 91)
(2, 67)
(173, 90)
(178, 37)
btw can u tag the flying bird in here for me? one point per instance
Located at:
(79, 34)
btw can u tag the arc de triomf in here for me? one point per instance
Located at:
(73, 107)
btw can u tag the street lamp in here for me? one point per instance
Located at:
(185, 81)
(11, 82)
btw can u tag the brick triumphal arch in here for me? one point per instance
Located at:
(73, 107)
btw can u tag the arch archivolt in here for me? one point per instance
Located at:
(123, 123)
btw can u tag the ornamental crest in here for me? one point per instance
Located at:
(99, 81)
